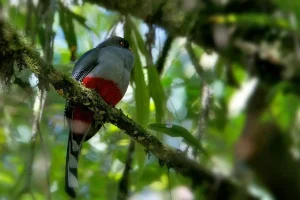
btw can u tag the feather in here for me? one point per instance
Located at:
(112, 63)
(86, 63)
(75, 142)
(71, 180)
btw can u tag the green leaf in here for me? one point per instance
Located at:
(2, 136)
(157, 93)
(142, 97)
(252, 19)
(7, 179)
(155, 87)
(174, 130)
(80, 19)
(141, 93)
(67, 24)
(219, 68)
(17, 18)
(42, 39)
(284, 109)
(139, 39)
(291, 7)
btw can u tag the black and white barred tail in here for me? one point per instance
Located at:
(73, 151)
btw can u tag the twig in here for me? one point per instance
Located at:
(39, 103)
(37, 113)
(205, 106)
(48, 56)
(73, 91)
(149, 42)
(195, 60)
(205, 95)
(164, 54)
(124, 182)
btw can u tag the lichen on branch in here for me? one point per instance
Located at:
(73, 91)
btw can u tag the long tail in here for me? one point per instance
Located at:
(73, 152)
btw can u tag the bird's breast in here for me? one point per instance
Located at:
(110, 78)
(81, 116)
(115, 65)
(107, 89)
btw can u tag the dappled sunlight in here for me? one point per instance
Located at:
(211, 110)
(239, 100)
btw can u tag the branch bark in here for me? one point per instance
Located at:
(198, 22)
(71, 90)
(206, 95)
(192, 19)
(205, 22)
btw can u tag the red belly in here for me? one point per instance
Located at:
(108, 90)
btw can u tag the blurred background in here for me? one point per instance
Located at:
(227, 71)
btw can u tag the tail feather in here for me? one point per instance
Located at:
(73, 152)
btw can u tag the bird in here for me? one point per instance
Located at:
(105, 69)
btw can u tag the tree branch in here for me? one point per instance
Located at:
(183, 18)
(200, 24)
(71, 90)
(206, 95)
(204, 22)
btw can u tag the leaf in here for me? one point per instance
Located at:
(284, 109)
(80, 19)
(42, 39)
(139, 39)
(141, 93)
(66, 22)
(252, 19)
(142, 97)
(219, 68)
(2, 136)
(292, 7)
(7, 179)
(17, 18)
(155, 87)
(157, 93)
(174, 130)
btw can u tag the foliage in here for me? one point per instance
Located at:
(173, 97)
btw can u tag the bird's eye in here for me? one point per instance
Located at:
(122, 44)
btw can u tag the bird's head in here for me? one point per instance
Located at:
(115, 41)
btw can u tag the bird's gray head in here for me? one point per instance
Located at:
(115, 41)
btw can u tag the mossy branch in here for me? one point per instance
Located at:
(208, 24)
(19, 53)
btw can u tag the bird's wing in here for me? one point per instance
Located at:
(87, 62)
